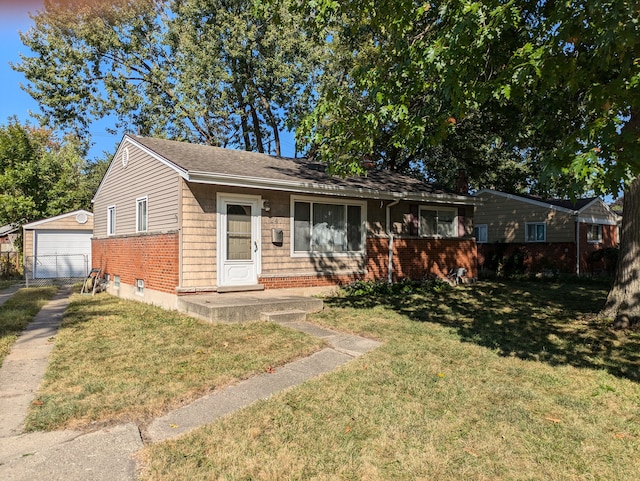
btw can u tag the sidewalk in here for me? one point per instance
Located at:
(107, 455)
(6, 294)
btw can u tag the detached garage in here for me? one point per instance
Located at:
(58, 247)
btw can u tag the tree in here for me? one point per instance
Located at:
(219, 72)
(41, 176)
(568, 71)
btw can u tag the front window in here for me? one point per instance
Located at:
(594, 233)
(480, 232)
(327, 227)
(111, 220)
(141, 214)
(535, 232)
(438, 222)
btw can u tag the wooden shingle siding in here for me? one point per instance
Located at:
(506, 219)
(277, 259)
(143, 176)
(199, 239)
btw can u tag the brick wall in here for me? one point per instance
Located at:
(528, 257)
(412, 258)
(586, 248)
(151, 257)
(306, 281)
(538, 256)
(417, 258)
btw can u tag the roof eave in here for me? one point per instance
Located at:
(325, 189)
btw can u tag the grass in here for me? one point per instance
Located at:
(117, 360)
(4, 283)
(17, 312)
(487, 381)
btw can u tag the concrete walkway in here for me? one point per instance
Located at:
(107, 455)
(6, 294)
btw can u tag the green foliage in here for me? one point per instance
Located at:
(217, 72)
(384, 289)
(41, 176)
(405, 76)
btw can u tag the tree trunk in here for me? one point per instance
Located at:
(256, 129)
(623, 302)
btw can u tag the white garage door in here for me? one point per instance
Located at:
(62, 253)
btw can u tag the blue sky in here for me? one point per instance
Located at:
(14, 18)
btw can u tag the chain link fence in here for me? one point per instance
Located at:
(63, 269)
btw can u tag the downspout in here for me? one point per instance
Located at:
(390, 234)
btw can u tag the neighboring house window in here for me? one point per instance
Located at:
(480, 232)
(594, 233)
(141, 214)
(111, 220)
(327, 227)
(535, 232)
(438, 222)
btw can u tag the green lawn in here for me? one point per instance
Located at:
(18, 311)
(488, 381)
(116, 360)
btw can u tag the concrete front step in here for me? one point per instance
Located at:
(243, 308)
(284, 316)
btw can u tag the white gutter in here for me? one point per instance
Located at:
(390, 234)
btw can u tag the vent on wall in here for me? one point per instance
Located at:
(81, 218)
(125, 157)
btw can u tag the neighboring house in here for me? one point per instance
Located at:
(8, 237)
(553, 234)
(58, 247)
(175, 218)
(9, 255)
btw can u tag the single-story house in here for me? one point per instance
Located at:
(58, 247)
(545, 234)
(173, 218)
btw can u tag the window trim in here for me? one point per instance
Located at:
(140, 200)
(526, 227)
(486, 233)
(599, 239)
(111, 220)
(323, 200)
(456, 221)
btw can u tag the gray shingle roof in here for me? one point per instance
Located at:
(194, 159)
(7, 229)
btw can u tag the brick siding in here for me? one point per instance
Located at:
(152, 258)
(420, 258)
(538, 256)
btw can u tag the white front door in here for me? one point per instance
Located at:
(238, 240)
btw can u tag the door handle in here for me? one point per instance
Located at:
(255, 243)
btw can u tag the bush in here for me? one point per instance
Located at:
(383, 288)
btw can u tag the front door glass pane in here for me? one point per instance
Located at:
(238, 232)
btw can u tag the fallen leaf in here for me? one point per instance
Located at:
(173, 426)
(270, 370)
(620, 435)
(37, 403)
(347, 429)
(553, 420)
(225, 344)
